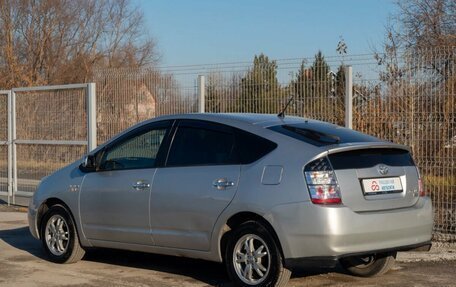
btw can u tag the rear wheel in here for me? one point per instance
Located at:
(59, 236)
(369, 266)
(253, 258)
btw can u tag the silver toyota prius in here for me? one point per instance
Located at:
(264, 194)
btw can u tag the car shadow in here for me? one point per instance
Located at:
(211, 273)
(20, 238)
(315, 270)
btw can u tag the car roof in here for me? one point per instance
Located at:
(263, 120)
(252, 122)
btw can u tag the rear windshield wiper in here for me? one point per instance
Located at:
(314, 135)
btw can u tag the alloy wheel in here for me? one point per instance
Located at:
(251, 259)
(57, 235)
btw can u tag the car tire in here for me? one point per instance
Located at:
(252, 257)
(59, 236)
(369, 266)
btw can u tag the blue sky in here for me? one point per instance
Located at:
(204, 31)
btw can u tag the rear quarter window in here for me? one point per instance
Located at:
(252, 147)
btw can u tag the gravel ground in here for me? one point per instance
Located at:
(23, 263)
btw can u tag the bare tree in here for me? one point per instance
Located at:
(424, 23)
(418, 79)
(424, 27)
(62, 41)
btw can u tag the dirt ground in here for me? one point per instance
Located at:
(23, 263)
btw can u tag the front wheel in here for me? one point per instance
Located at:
(253, 258)
(59, 236)
(369, 266)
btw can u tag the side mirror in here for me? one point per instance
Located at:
(88, 163)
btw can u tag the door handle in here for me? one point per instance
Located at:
(141, 185)
(222, 183)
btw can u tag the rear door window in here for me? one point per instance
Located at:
(200, 143)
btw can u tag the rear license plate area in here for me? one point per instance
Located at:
(385, 185)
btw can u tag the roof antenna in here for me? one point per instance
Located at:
(282, 112)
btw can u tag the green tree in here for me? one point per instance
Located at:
(321, 78)
(314, 89)
(302, 83)
(222, 92)
(214, 95)
(315, 81)
(339, 95)
(260, 89)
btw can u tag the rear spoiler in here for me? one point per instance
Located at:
(336, 148)
(364, 145)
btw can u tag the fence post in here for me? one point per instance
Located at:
(91, 117)
(13, 145)
(9, 147)
(348, 97)
(201, 93)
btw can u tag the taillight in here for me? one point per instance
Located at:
(421, 191)
(420, 188)
(322, 182)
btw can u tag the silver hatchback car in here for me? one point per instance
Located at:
(261, 193)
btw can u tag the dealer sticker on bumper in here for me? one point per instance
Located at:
(382, 185)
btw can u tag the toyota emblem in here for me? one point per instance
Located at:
(382, 169)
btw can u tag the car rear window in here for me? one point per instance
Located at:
(366, 158)
(322, 134)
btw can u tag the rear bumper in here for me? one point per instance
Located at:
(331, 261)
(308, 231)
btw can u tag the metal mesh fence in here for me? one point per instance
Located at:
(266, 85)
(48, 122)
(3, 168)
(37, 161)
(128, 96)
(407, 97)
(51, 115)
(412, 102)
